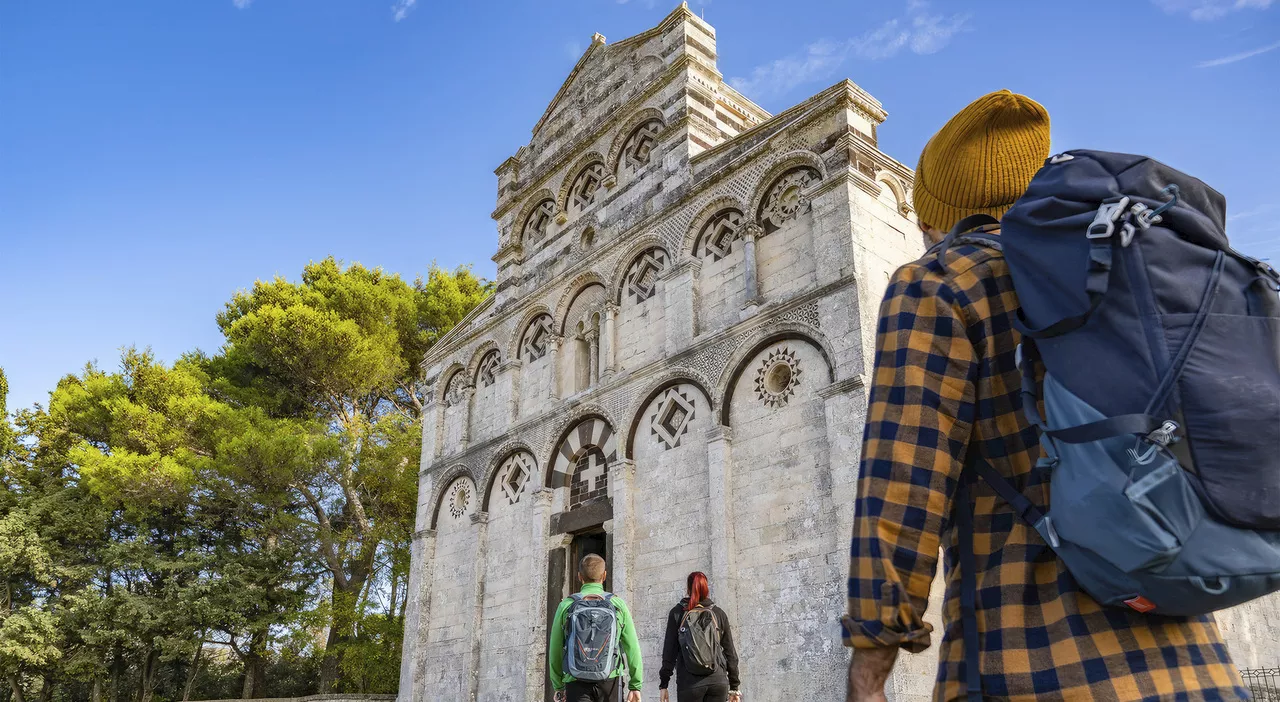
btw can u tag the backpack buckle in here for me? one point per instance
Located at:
(1104, 222)
(1161, 438)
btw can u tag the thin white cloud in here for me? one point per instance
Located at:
(241, 4)
(1259, 210)
(918, 31)
(1209, 10)
(574, 49)
(401, 9)
(1238, 57)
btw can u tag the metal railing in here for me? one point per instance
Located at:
(1262, 683)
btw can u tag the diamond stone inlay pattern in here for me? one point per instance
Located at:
(488, 369)
(716, 240)
(534, 345)
(514, 476)
(671, 421)
(635, 153)
(583, 191)
(535, 227)
(642, 275)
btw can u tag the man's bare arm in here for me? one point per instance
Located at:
(868, 670)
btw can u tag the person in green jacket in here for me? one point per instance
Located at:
(591, 573)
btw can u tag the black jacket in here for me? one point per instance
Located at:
(726, 670)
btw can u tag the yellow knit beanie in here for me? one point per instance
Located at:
(982, 160)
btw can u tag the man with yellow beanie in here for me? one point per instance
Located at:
(944, 395)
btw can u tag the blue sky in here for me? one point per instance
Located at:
(156, 155)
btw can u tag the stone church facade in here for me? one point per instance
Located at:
(671, 373)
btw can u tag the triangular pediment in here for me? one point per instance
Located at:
(574, 86)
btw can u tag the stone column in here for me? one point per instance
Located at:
(535, 666)
(481, 519)
(511, 369)
(622, 476)
(468, 403)
(680, 308)
(610, 340)
(845, 408)
(751, 277)
(554, 342)
(593, 357)
(417, 616)
(724, 573)
(432, 427)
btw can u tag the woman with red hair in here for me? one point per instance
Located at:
(699, 648)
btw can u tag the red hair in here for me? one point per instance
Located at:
(698, 589)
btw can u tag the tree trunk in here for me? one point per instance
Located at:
(16, 687)
(147, 676)
(342, 619)
(96, 695)
(46, 689)
(255, 673)
(195, 668)
(117, 665)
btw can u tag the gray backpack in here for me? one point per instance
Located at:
(591, 637)
(1160, 347)
(699, 639)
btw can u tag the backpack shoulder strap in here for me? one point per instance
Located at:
(962, 233)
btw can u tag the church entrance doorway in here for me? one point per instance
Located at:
(562, 572)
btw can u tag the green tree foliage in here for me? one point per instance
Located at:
(228, 525)
(339, 351)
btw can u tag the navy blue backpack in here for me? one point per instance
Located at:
(1160, 351)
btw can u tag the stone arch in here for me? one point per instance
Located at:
(525, 212)
(642, 243)
(492, 471)
(484, 364)
(446, 481)
(587, 429)
(653, 389)
(446, 377)
(584, 161)
(757, 342)
(637, 120)
(572, 291)
(899, 191)
(800, 158)
(477, 355)
(709, 210)
(513, 344)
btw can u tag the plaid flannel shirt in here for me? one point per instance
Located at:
(946, 384)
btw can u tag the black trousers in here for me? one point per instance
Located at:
(597, 691)
(704, 693)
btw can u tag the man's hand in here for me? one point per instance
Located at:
(735, 696)
(663, 695)
(634, 696)
(559, 696)
(868, 671)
